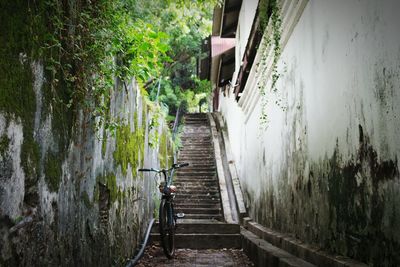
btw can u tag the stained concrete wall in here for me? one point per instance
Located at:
(325, 166)
(84, 208)
(70, 195)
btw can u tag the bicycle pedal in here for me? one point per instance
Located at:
(180, 215)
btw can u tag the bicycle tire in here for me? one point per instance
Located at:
(167, 228)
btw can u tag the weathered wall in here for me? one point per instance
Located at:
(69, 196)
(326, 168)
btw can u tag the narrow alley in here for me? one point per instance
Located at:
(203, 236)
(199, 133)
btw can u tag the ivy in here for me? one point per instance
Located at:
(269, 15)
(88, 46)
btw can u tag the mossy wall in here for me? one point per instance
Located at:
(70, 195)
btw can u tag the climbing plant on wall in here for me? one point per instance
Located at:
(270, 26)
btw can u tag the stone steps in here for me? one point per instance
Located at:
(197, 205)
(197, 210)
(217, 217)
(197, 173)
(202, 227)
(198, 201)
(204, 241)
(198, 195)
(194, 181)
(196, 187)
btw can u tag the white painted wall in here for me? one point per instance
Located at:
(245, 21)
(340, 70)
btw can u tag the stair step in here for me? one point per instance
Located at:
(192, 181)
(197, 205)
(196, 195)
(265, 254)
(195, 188)
(197, 152)
(196, 139)
(197, 174)
(199, 192)
(200, 169)
(217, 217)
(197, 144)
(202, 227)
(197, 201)
(189, 121)
(201, 200)
(204, 241)
(189, 159)
(181, 181)
(207, 201)
(201, 165)
(196, 148)
(207, 211)
(194, 162)
(194, 153)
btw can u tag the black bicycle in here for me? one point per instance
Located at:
(167, 216)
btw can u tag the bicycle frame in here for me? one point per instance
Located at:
(167, 217)
(168, 195)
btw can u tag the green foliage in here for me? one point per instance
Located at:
(163, 151)
(153, 128)
(187, 23)
(177, 142)
(269, 15)
(89, 45)
(142, 50)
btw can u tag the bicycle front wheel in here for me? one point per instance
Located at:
(167, 228)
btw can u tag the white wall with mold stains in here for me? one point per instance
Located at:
(339, 87)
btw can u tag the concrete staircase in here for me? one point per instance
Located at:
(198, 193)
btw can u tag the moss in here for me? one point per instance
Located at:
(4, 143)
(96, 192)
(86, 200)
(22, 35)
(166, 149)
(104, 144)
(153, 128)
(162, 152)
(30, 156)
(130, 147)
(30, 161)
(170, 152)
(110, 181)
(144, 113)
(52, 171)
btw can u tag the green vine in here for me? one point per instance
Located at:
(269, 13)
(88, 46)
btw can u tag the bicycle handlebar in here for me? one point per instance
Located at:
(180, 165)
(174, 166)
(145, 170)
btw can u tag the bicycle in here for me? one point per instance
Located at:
(167, 216)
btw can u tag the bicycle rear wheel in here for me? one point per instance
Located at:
(167, 228)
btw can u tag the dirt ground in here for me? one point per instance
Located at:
(154, 256)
